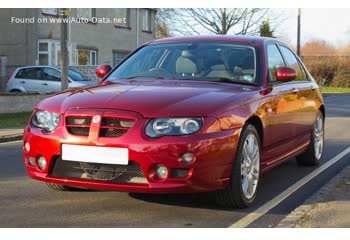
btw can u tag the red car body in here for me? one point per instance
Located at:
(283, 114)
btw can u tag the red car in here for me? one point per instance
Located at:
(181, 115)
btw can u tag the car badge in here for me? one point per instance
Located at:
(96, 119)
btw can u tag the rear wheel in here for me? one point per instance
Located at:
(241, 191)
(15, 91)
(58, 187)
(313, 154)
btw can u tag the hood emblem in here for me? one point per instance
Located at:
(96, 119)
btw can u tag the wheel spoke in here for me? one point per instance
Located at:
(250, 189)
(255, 174)
(245, 184)
(250, 145)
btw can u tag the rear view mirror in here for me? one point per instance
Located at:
(102, 70)
(285, 74)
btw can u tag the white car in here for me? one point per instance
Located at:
(42, 79)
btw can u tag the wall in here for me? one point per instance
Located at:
(18, 40)
(11, 103)
(3, 72)
(19, 43)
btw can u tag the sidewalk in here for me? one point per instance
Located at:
(327, 208)
(11, 134)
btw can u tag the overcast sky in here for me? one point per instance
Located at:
(332, 25)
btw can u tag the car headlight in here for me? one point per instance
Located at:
(172, 126)
(45, 120)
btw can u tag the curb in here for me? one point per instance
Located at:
(11, 138)
(295, 217)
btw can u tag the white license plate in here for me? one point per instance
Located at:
(92, 154)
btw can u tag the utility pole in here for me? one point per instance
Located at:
(298, 38)
(64, 49)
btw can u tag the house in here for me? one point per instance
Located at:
(95, 36)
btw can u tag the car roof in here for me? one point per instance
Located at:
(225, 38)
(48, 66)
(38, 66)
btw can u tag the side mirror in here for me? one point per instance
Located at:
(102, 70)
(285, 74)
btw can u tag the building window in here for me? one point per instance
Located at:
(119, 56)
(49, 52)
(87, 57)
(146, 20)
(43, 53)
(87, 13)
(122, 17)
(50, 11)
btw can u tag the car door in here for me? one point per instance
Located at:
(306, 94)
(280, 112)
(51, 78)
(29, 79)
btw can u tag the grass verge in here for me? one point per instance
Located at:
(9, 120)
(335, 90)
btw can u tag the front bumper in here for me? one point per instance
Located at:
(214, 152)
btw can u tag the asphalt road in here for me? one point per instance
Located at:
(28, 203)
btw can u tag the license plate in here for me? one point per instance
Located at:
(92, 154)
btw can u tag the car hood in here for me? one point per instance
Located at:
(153, 98)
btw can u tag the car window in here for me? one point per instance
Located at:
(274, 60)
(200, 61)
(51, 74)
(75, 76)
(29, 73)
(292, 62)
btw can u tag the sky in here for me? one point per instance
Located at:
(331, 25)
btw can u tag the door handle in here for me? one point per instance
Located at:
(295, 90)
(23, 82)
(44, 84)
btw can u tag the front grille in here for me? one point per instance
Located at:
(114, 127)
(110, 132)
(110, 173)
(78, 125)
(179, 172)
(81, 131)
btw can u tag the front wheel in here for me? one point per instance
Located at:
(241, 191)
(313, 154)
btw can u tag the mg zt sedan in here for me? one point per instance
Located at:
(181, 115)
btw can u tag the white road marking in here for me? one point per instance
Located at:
(7, 143)
(248, 219)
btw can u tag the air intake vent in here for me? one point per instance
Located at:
(114, 127)
(112, 173)
(78, 125)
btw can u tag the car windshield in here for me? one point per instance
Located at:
(75, 76)
(202, 61)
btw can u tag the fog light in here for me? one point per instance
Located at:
(187, 158)
(27, 146)
(42, 162)
(31, 161)
(161, 171)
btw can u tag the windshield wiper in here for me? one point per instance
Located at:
(228, 80)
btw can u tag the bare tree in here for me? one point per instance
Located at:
(196, 21)
(162, 29)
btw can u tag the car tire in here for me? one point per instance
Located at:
(234, 195)
(15, 91)
(58, 187)
(313, 154)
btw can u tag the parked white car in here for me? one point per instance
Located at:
(42, 79)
